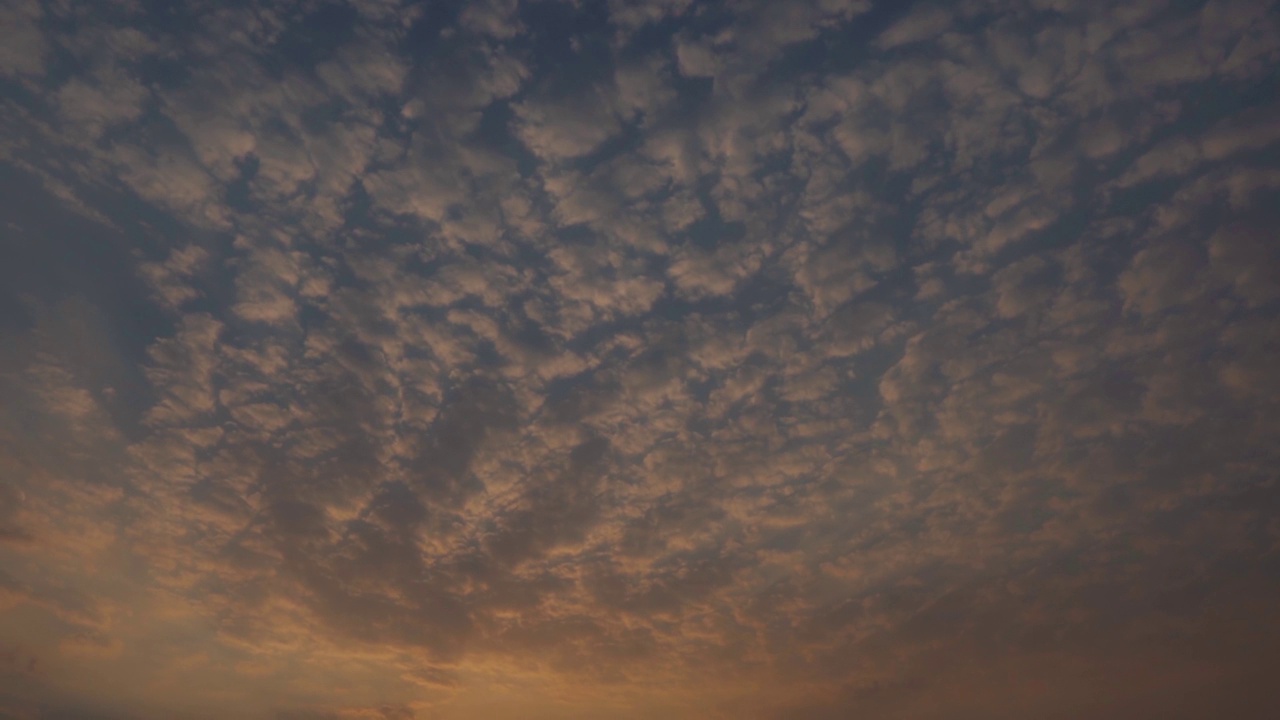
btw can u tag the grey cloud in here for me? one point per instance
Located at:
(496, 18)
(1240, 253)
(924, 23)
(558, 130)
(25, 47)
(113, 98)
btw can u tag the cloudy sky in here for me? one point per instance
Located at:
(639, 359)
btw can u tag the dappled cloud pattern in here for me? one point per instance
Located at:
(380, 360)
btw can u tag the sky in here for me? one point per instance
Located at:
(639, 359)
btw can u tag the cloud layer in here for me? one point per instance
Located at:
(551, 359)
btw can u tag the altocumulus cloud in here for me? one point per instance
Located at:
(377, 359)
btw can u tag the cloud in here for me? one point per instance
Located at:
(25, 48)
(647, 359)
(496, 18)
(924, 23)
(561, 130)
(171, 278)
(112, 98)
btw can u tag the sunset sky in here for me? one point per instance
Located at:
(639, 360)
